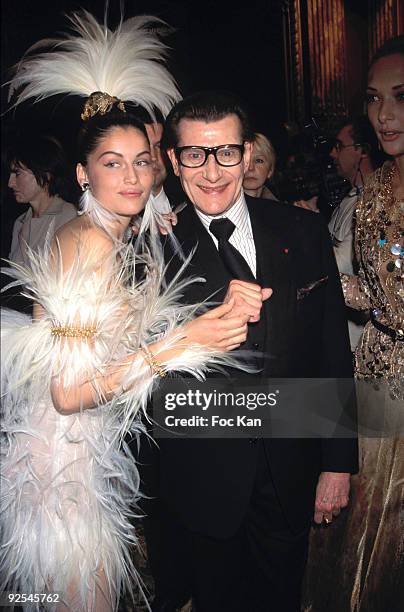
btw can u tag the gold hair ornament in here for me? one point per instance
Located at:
(100, 102)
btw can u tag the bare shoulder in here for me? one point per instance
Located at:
(80, 236)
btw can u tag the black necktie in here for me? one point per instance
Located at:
(235, 263)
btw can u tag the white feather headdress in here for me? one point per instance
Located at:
(126, 63)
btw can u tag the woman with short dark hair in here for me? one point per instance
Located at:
(38, 177)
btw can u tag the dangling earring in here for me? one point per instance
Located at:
(85, 186)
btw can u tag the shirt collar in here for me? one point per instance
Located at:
(54, 208)
(355, 191)
(238, 214)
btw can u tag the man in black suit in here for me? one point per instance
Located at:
(229, 525)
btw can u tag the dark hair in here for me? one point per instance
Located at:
(44, 157)
(389, 47)
(205, 106)
(95, 129)
(145, 117)
(364, 134)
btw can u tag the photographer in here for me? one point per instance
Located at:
(309, 179)
(355, 158)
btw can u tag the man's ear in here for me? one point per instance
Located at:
(248, 146)
(81, 175)
(174, 161)
(365, 148)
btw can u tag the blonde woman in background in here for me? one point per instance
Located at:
(261, 168)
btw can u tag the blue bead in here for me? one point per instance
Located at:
(396, 249)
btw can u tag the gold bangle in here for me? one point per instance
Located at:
(152, 362)
(72, 331)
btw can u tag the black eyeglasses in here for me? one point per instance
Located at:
(339, 146)
(225, 155)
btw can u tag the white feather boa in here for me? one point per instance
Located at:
(69, 482)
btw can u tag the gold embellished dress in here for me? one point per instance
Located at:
(356, 563)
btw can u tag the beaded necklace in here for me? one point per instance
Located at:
(387, 213)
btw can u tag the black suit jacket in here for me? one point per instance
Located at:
(208, 483)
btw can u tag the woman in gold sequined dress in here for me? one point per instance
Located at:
(362, 553)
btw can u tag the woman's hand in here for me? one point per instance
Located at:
(170, 220)
(215, 331)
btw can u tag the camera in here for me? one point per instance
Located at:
(309, 170)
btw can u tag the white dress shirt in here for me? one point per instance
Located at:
(242, 237)
(341, 227)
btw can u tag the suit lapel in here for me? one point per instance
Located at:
(274, 269)
(206, 261)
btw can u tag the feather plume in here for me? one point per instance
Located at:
(126, 63)
(99, 214)
(147, 224)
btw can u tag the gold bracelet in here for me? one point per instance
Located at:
(152, 362)
(72, 331)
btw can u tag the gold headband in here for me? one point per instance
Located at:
(100, 102)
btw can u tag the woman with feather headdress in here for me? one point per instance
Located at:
(76, 376)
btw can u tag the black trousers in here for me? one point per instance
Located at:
(259, 569)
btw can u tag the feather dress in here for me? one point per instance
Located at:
(68, 482)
